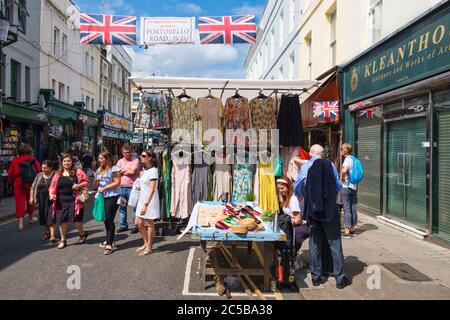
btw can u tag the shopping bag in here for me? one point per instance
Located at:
(135, 194)
(99, 212)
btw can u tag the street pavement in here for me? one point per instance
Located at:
(32, 269)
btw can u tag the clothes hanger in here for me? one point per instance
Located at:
(210, 96)
(261, 95)
(237, 95)
(184, 95)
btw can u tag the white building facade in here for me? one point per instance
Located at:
(302, 39)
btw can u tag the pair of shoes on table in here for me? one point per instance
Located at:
(346, 282)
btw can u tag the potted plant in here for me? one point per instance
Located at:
(251, 199)
(268, 218)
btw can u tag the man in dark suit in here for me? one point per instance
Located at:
(319, 184)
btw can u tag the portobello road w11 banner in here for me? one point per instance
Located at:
(157, 30)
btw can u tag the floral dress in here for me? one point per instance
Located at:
(242, 182)
(264, 115)
(184, 115)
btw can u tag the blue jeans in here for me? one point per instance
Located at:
(332, 232)
(124, 192)
(349, 203)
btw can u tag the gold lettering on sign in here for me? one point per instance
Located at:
(401, 53)
(411, 45)
(437, 40)
(423, 42)
(367, 71)
(382, 63)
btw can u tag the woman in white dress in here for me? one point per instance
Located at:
(148, 206)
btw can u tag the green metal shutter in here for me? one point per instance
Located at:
(369, 153)
(442, 226)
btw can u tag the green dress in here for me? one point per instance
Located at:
(242, 182)
(167, 184)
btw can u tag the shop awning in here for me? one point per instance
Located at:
(198, 87)
(25, 114)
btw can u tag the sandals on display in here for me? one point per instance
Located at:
(83, 238)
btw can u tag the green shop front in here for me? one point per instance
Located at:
(87, 128)
(397, 107)
(116, 131)
(62, 119)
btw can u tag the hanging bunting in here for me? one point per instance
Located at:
(167, 30)
(370, 113)
(326, 109)
(227, 29)
(108, 29)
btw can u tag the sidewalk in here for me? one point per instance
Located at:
(7, 209)
(377, 244)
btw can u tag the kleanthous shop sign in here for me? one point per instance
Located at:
(415, 53)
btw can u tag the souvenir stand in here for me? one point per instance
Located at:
(218, 224)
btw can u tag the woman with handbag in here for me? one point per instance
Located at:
(107, 178)
(39, 195)
(67, 185)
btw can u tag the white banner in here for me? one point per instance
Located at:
(158, 30)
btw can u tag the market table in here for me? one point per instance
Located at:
(210, 237)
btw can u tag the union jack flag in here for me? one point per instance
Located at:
(370, 113)
(326, 109)
(108, 29)
(227, 29)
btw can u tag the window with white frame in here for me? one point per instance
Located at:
(272, 44)
(292, 65)
(56, 35)
(54, 86)
(105, 99)
(114, 72)
(292, 15)
(333, 42)
(281, 38)
(105, 69)
(114, 104)
(309, 44)
(61, 93)
(281, 72)
(88, 103)
(68, 94)
(64, 52)
(376, 18)
(86, 63)
(92, 67)
(136, 97)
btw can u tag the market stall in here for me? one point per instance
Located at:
(220, 187)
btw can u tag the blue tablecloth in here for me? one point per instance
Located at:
(213, 234)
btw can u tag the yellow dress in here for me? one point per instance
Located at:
(267, 194)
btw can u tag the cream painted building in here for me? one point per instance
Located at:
(303, 39)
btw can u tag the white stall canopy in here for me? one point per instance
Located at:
(224, 88)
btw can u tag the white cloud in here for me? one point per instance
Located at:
(189, 8)
(247, 8)
(217, 61)
(117, 7)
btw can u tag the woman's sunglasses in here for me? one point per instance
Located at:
(144, 156)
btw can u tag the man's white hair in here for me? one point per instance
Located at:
(316, 150)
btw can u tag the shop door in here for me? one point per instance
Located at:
(406, 162)
(441, 212)
(369, 146)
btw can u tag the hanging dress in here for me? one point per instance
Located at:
(167, 183)
(264, 115)
(242, 182)
(181, 197)
(267, 193)
(200, 182)
(290, 121)
(222, 181)
(184, 116)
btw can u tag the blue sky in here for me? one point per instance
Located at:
(215, 61)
